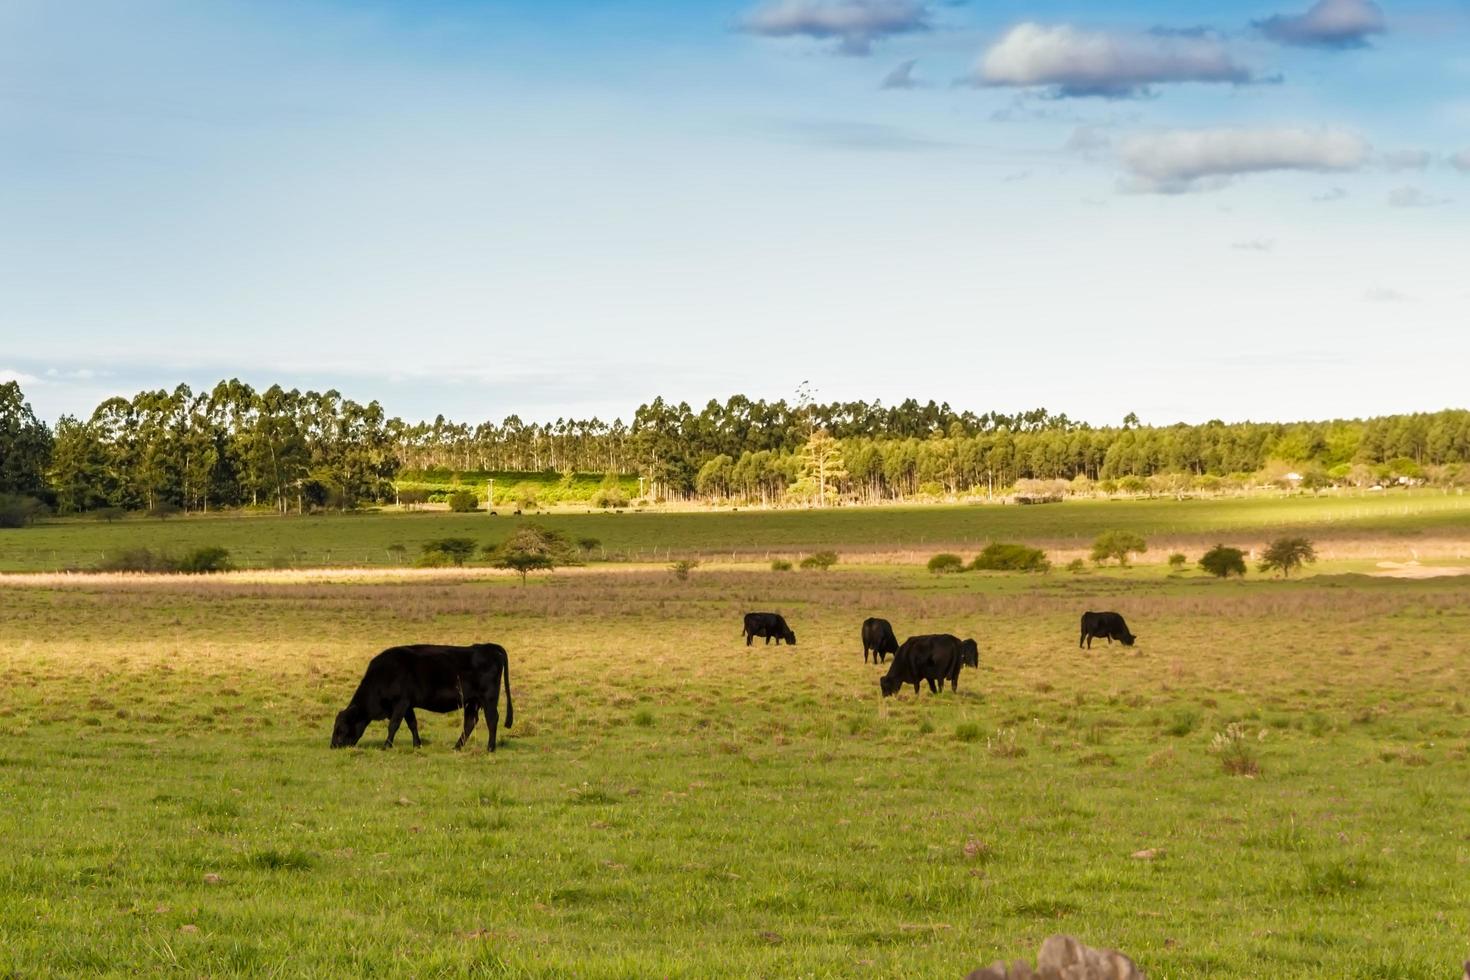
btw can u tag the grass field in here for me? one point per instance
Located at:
(1397, 526)
(670, 803)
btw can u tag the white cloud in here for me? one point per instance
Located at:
(1413, 197)
(1330, 195)
(1327, 24)
(1255, 245)
(1406, 160)
(21, 378)
(1076, 62)
(854, 24)
(1088, 141)
(1384, 295)
(902, 76)
(1461, 161)
(1182, 160)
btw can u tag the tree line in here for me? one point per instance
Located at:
(235, 446)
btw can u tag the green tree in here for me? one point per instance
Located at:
(25, 444)
(1117, 545)
(1222, 562)
(822, 457)
(448, 551)
(1286, 554)
(532, 548)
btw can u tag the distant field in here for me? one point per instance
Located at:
(1397, 525)
(670, 803)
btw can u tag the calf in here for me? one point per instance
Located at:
(935, 659)
(1105, 624)
(435, 678)
(878, 637)
(769, 625)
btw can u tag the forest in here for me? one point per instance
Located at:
(235, 446)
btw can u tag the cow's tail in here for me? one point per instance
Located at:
(510, 707)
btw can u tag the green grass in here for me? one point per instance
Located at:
(1404, 520)
(671, 803)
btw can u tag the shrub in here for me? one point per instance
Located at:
(1177, 561)
(524, 495)
(164, 509)
(1076, 566)
(682, 568)
(1222, 562)
(589, 545)
(1233, 746)
(109, 514)
(610, 498)
(397, 552)
(1285, 554)
(1117, 545)
(1000, 557)
(945, 563)
(447, 551)
(210, 558)
(780, 565)
(821, 561)
(464, 502)
(16, 511)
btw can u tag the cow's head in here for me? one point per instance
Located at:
(889, 685)
(351, 723)
(790, 636)
(1127, 639)
(970, 653)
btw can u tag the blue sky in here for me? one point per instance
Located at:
(1188, 210)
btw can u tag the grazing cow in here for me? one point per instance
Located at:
(878, 637)
(934, 658)
(1105, 624)
(770, 625)
(435, 678)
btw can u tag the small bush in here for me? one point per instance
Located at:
(397, 552)
(1185, 720)
(201, 561)
(109, 514)
(463, 502)
(780, 565)
(589, 545)
(682, 568)
(1177, 561)
(1233, 746)
(821, 561)
(946, 563)
(1076, 566)
(164, 509)
(610, 498)
(1223, 562)
(1117, 545)
(1285, 554)
(1001, 557)
(1003, 744)
(967, 731)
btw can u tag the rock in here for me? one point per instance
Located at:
(1064, 958)
(1147, 854)
(212, 879)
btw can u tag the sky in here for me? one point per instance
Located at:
(555, 208)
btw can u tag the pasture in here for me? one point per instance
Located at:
(1400, 525)
(670, 803)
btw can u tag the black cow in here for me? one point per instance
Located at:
(769, 625)
(1106, 624)
(435, 678)
(934, 658)
(878, 637)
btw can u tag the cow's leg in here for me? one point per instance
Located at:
(768, 639)
(748, 638)
(1080, 637)
(471, 715)
(932, 688)
(492, 719)
(865, 654)
(413, 727)
(399, 710)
